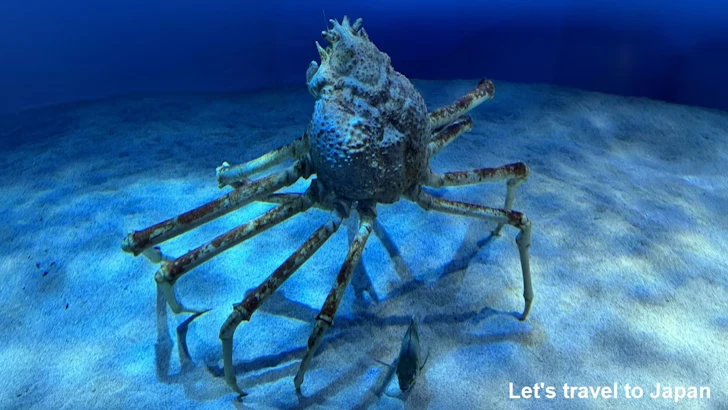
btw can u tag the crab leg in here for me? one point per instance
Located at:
(138, 241)
(510, 197)
(285, 197)
(244, 310)
(170, 271)
(444, 136)
(514, 173)
(236, 174)
(400, 265)
(517, 219)
(325, 318)
(447, 114)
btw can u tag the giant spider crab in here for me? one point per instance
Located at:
(369, 141)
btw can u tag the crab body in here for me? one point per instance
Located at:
(370, 130)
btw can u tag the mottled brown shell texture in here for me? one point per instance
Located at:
(369, 132)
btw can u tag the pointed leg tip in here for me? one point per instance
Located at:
(297, 382)
(497, 231)
(301, 397)
(197, 313)
(240, 396)
(526, 311)
(236, 389)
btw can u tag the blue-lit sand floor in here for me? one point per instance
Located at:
(627, 198)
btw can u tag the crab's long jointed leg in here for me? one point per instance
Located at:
(456, 123)
(513, 173)
(325, 318)
(447, 134)
(138, 241)
(168, 274)
(447, 114)
(234, 175)
(516, 171)
(244, 310)
(517, 219)
(287, 196)
(510, 197)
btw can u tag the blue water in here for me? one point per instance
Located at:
(55, 51)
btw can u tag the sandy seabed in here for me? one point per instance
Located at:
(627, 198)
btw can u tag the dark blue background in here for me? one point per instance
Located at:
(56, 51)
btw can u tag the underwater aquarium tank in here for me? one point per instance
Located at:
(319, 204)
